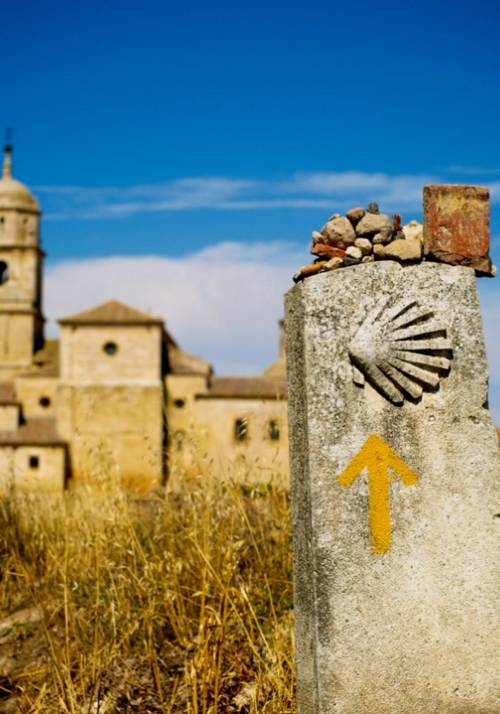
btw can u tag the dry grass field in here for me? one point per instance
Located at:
(181, 602)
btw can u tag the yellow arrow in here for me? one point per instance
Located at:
(376, 456)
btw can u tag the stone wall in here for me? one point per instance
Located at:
(221, 434)
(9, 417)
(136, 360)
(18, 227)
(47, 477)
(113, 429)
(37, 395)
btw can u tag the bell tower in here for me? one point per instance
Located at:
(21, 320)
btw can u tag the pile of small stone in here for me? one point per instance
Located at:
(361, 236)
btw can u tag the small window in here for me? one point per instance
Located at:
(34, 462)
(110, 348)
(273, 430)
(241, 429)
(4, 272)
(179, 403)
(44, 402)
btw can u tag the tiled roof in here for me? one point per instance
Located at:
(181, 362)
(38, 431)
(245, 388)
(48, 354)
(276, 370)
(45, 361)
(7, 393)
(48, 371)
(112, 312)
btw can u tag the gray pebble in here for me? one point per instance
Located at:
(351, 261)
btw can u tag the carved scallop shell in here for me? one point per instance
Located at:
(401, 350)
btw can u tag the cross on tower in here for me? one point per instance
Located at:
(8, 139)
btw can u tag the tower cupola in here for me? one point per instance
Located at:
(21, 257)
(14, 194)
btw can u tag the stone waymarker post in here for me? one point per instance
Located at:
(396, 493)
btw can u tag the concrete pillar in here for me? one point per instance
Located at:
(396, 493)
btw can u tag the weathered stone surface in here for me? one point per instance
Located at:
(378, 249)
(457, 225)
(415, 630)
(329, 251)
(364, 245)
(405, 249)
(355, 214)
(317, 237)
(372, 223)
(339, 231)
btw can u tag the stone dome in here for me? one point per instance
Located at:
(13, 193)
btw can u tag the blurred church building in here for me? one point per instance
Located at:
(115, 396)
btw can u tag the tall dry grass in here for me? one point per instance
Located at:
(181, 602)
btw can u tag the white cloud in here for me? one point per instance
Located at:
(473, 170)
(394, 191)
(117, 202)
(222, 303)
(328, 190)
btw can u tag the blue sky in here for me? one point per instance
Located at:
(189, 149)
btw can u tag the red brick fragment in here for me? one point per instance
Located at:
(327, 251)
(457, 225)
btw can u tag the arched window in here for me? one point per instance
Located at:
(273, 430)
(240, 429)
(4, 272)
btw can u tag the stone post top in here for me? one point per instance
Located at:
(383, 272)
(396, 315)
(456, 230)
